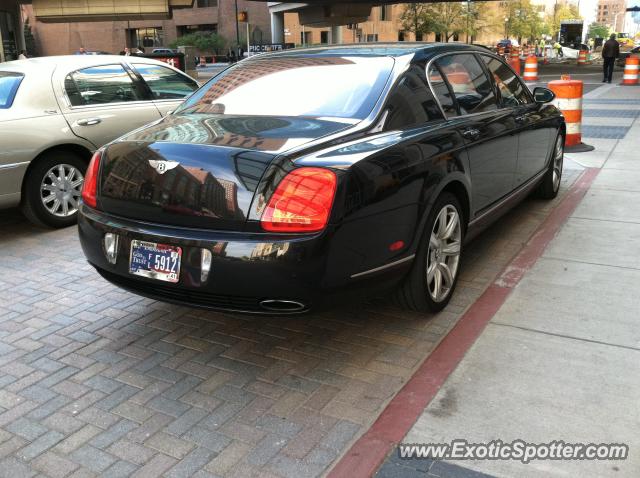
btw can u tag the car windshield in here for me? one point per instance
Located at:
(9, 83)
(339, 87)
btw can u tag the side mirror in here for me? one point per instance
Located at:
(543, 95)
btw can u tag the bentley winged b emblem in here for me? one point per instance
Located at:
(163, 166)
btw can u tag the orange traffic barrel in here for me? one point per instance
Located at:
(582, 58)
(569, 102)
(531, 69)
(514, 59)
(631, 70)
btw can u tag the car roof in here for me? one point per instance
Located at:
(376, 49)
(71, 62)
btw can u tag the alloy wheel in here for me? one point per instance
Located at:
(60, 190)
(558, 158)
(444, 253)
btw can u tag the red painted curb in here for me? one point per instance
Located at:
(367, 454)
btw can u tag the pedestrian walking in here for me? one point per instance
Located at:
(22, 55)
(81, 51)
(610, 51)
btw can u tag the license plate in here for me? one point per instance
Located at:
(155, 261)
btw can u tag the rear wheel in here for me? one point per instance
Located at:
(53, 188)
(550, 184)
(434, 275)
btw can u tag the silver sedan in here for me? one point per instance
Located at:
(55, 111)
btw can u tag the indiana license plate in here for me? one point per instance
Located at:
(155, 261)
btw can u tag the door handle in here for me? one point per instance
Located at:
(471, 133)
(89, 121)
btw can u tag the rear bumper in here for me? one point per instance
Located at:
(247, 269)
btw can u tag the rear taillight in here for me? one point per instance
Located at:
(302, 201)
(90, 186)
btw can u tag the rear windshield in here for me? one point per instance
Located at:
(9, 83)
(341, 87)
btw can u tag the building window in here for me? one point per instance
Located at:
(385, 13)
(324, 37)
(418, 36)
(456, 37)
(187, 29)
(401, 36)
(8, 37)
(372, 38)
(305, 38)
(146, 37)
(206, 3)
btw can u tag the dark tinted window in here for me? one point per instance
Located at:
(471, 86)
(100, 85)
(442, 92)
(9, 83)
(166, 84)
(343, 87)
(411, 102)
(511, 88)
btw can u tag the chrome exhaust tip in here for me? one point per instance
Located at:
(286, 306)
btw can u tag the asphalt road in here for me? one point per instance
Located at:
(590, 74)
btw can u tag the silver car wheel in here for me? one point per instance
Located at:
(60, 190)
(444, 253)
(558, 159)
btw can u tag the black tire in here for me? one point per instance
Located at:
(550, 186)
(415, 293)
(32, 203)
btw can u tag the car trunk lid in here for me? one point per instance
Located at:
(198, 171)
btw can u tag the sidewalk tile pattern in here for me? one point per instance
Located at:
(95, 381)
(604, 132)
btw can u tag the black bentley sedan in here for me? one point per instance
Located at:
(291, 179)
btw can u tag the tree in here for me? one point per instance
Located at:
(597, 30)
(523, 20)
(445, 18)
(563, 12)
(413, 19)
(203, 41)
(478, 18)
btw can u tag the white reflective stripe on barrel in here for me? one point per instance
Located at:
(631, 67)
(573, 128)
(568, 104)
(630, 77)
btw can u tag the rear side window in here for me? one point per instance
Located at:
(164, 83)
(442, 91)
(100, 85)
(411, 102)
(9, 83)
(511, 88)
(471, 87)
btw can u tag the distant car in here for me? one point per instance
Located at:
(164, 51)
(507, 43)
(625, 54)
(97, 52)
(55, 111)
(365, 173)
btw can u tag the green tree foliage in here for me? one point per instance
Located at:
(413, 19)
(446, 18)
(523, 20)
(478, 18)
(563, 12)
(597, 30)
(203, 41)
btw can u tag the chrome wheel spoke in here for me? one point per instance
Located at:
(60, 190)
(49, 198)
(49, 188)
(447, 277)
(442, 223)
(451, 249)
(437, 283)
(451, 226)
(431, 271)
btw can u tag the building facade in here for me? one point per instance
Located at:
(612, 13)
(11, 30)
(113, 36)
(384, 24)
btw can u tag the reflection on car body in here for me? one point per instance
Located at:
(362, 168)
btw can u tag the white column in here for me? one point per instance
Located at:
(336, 34)
(277, 27)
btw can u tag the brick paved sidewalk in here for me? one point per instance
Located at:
(95, 381)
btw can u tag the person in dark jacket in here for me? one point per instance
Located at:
(610, 51)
